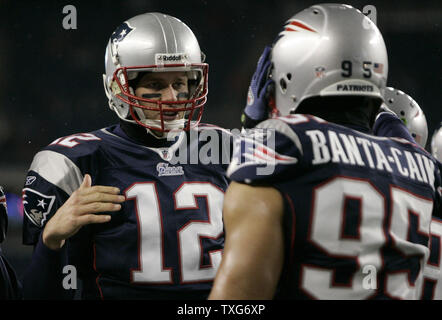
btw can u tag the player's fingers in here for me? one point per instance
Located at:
(103, 189)
(264, 55)
(93, 218)
(87, 182)
(97, 207)
(264, 88)
(263, 74)
(102, 197)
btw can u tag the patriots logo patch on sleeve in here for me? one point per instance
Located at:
(37, 206)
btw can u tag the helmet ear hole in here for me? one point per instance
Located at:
(289, 76)
(283, 85)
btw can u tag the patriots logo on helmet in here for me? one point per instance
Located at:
(121, 32)
(296, 25)
(36, 206)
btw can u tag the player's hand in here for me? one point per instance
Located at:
(79, 210)
(257, 109)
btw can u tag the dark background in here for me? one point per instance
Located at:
(51, 83)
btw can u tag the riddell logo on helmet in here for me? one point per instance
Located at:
(172, 58)
(355, 88)
(167, 58)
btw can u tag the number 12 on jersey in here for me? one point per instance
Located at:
(151, 235)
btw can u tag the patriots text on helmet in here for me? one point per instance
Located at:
(355, 88)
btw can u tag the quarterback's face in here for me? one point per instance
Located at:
(164, 86)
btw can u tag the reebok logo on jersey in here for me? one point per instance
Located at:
(164, 169)
(30, 180)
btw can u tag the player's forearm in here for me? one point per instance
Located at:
(43, 279)
(253, 253)
(241, 283)
(51, 242)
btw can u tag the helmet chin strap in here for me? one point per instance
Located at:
(173, 125)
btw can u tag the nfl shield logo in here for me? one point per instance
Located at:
(36, 206)
(320, 72)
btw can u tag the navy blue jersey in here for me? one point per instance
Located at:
(388, 125)
(357, 207)
(167, 239)
(432, 288)
(10, 287)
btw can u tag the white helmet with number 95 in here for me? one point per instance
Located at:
(328, 50)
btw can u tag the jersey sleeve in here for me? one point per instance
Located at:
(389, 125)
(432, 280)
(10, 286)
(265, 153)
(43, 278)
(51, 179)
(55, 173)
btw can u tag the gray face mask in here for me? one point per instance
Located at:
(3, 216)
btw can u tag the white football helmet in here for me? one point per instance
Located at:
(328, 50)
(407, 109)
(436, 143)
(154, 42)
